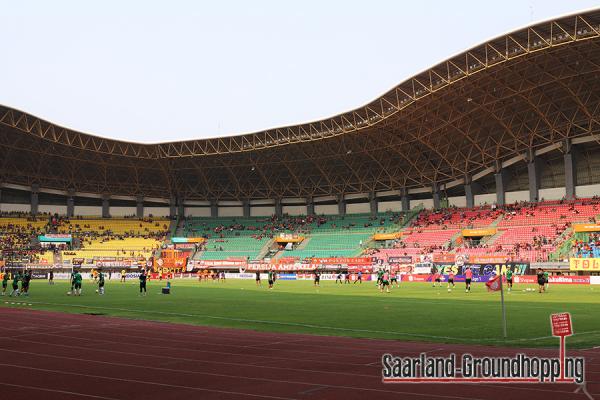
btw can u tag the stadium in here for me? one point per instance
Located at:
(486, 162)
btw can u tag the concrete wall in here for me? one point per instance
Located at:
(460, 201)
(95, 211)
(194, 211)
(327, 209)
(262, 211)
(230, 212)
(481, 199)
(52, 209)
(15, 207)
(384, 206)
(294, 210)
(358, 208)
(122, 211)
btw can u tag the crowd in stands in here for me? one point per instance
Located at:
(587, 248)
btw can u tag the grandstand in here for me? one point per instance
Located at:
(454, 147)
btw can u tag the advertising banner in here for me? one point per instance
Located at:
(554, 279)
(344, 260)
(484, 269)
(584, 264)
(478, 232)
(400, 260)
(586, 228)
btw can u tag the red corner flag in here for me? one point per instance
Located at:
(494, 284)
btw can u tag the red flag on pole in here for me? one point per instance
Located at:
(494, 284)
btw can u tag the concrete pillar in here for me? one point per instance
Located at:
(405, 200)
(373, 203)
(35, 190)
(180, 207)
(139, 206)
(278, 208)
(570, 170)
(246, 207)
(500, 177)
(310, 206)
(341, 205)
(435, 190)
(214, 209)
(533, 171)
(469, 193)
(172, 207)
(70, 203)
(106, 206)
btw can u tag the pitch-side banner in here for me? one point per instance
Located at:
(584, 264)
(484, 269)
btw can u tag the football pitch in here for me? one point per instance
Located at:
(415, 311)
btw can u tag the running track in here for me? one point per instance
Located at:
(48, 355)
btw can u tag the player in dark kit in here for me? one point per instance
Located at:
(271, 278)
(15, 284)
(77, 279)
(258, 282)
(541, 280)
(317, 278)
(509, 279)
(143, 278)
(100, 282)
(4, 283)
(25, 283)
(359, 277)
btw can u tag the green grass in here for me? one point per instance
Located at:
(416, 311)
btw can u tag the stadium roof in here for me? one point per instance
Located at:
(504, 100)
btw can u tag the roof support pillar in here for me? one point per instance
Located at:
(278, 208)
(106, 205)
(214, 209)
(180, 207)
(533, 171)
(435, 189)
(570, 170)
(35, 198)
(172, 207)
(246, 208)
(70, 203)
(405, 200)
(310, 206)
(500, 177)
(139, 206)
(373, 203)
(341, 205)
(469, 193)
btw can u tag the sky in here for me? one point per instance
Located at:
(155, 71)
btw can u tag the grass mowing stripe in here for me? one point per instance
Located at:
(415, 311)
(308, 325)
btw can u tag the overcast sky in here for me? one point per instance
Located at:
(153, 71)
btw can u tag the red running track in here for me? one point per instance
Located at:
(48, 355)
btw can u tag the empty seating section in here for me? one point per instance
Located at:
(232, 247)
(549, 214)
(426, 238)
(326, 236)
(115, 226)
(455, 218)
(325, 245)
(126, 247)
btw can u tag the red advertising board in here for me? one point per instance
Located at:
(561, 324)
(444, 257)
(343, 260)
(555, 279)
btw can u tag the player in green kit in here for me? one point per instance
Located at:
(15, 284)
(4, 283)
(379, 278)
(509, 279)
(72, 282)
(77, 283)
(100, 282)
(270, 278)
(546, 281)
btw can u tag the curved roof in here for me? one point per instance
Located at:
(525, 90)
